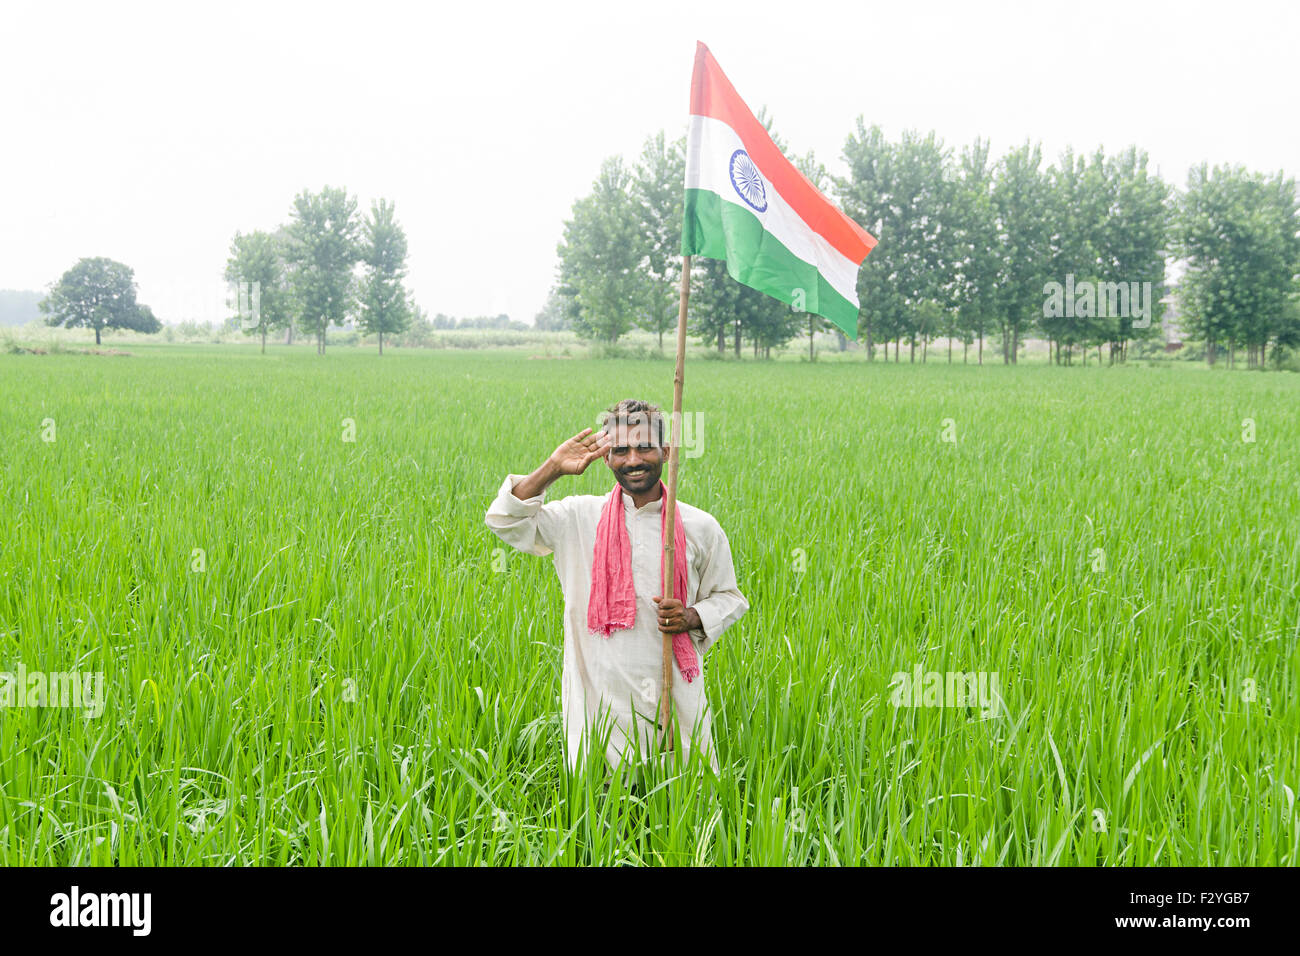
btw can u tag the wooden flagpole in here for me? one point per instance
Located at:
(670, 510)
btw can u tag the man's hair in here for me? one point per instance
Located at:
(633, 412)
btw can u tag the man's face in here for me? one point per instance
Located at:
(635, 457)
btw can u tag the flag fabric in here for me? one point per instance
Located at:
(746, 203)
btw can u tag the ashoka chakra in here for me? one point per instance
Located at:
(748, 181)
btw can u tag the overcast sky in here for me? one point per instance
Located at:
(152, 133)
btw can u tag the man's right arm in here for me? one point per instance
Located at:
(521, 519)
(518, 515)
(537, 483)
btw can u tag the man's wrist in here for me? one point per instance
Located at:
(693, 622)
(537, 483)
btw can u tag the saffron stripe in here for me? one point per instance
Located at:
(713, 95)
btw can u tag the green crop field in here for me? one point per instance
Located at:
(313, 651)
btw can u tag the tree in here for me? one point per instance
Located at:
(976, 260)
(323, 249)
(384, 304)
(657, 188)
(715, 300)
(97, 294)
(1022, 197)
(146, 321)
(928, 194)
(556, 314)
(929, 320)
(1237, 232)
(1079, 202)
(867, 196)
(601, 254)
(768, 323)
(257, 269)
(908, 192)
(1288, 329)
(1134, 234)
(721, 306)
(419, 331)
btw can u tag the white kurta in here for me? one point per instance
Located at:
(611, 685)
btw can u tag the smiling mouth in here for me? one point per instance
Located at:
(635, 474)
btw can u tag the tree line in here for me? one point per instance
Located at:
(300, 276)
(620, 262)
(971, 248)
(304, 274)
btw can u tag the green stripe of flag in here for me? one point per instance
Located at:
(722, 230)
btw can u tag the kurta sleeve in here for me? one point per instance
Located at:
(719, 603)
(528, 525)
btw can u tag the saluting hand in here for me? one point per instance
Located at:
(574, 455)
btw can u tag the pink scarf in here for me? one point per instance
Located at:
(612, 604)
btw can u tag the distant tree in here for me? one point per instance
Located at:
(1134, 240)
(1237, 232)
(658, 189)
(555, 315)
(419, 332)
(723, 309)
(1287, 337)
(909, 193)
(1079, 205)
(715, 300)
(256, 268)
(1022, 196)
(147, 322)
(929, 321)
(600, 256)
(193, 329)
(97, 294)
(950, 327)
(977, 258)
(384, 304)
(768, 323)
(324, 249)
(928, 196)
(867, 195)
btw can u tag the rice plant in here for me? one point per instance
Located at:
(314, 652)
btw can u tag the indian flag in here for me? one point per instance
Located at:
(746, 203)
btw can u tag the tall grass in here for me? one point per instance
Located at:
(350, 680)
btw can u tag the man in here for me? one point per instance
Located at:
(611, 573)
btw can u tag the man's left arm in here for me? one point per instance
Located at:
(720, 603)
